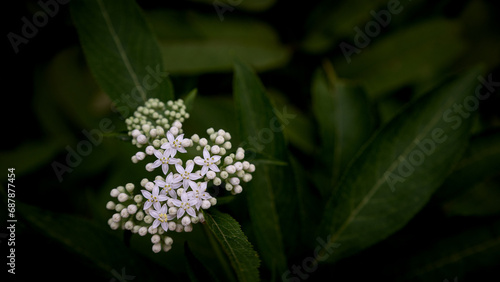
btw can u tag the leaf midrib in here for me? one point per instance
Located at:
(381, 180)
(121, 50)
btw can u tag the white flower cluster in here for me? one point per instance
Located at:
(154, 119)
(174, 200)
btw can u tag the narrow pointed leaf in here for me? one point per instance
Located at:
(270, 202)
(398, 171)
(344, 119)
(122, 52)
(244, 259)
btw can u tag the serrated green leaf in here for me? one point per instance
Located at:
(344, 119)
(121, 50)
(244, 259)
(399, 169)
(271, 205)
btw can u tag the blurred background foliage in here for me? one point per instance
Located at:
(51, 97)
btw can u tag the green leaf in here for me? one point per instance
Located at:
(480, 200)
(399, 169)
(194, 43)
(404, 57)
(90, 241)
(227, 7)
(481, 162)
(189, 100)
(344, 119)
(244, 259)
(195, 269)
(459, 254)
(271, 205)
(121, 50)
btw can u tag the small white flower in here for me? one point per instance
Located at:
(161, 217)
(164, 160)
(168, 186)
(174, 144)
(199, 193)
(186, 175)
(153, 198)
(208, 162)
(185, 205)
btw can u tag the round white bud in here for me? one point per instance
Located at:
(228, 160)
(237, 189)
(135, 229)
(195, 220)
(146, 127)
(234, 181)
(179, 228)
(203, 142)
(186, 143)
(121, 189)
(160, 131)
(114, 193)
(116, 217)
(138, 198)
(213, 136)
(229, 187)
(172, 210)
(114, 225)
(124, 213)
(172, 226)
(205, 204)
(110, 205)
(210, 131)
(140, 156)
(149, 186)
(150, 150)
(135, 133)
(231, 169)
(213, 201)
(177, 124)
(247, 177)
(157, 143)
(149, 167)
(246, 165)
(238, 166)
(170, 202)
(155, 239)
(156, 248)
(251, 168)
(180, 191)
(148, 219)
(142, 139)
(215, 149)
(152, 230)
(166, 248)
(227, 145)
(186, 220)
(119, 207)
(122, 197)
(168, 241)
(129, 225)
(139, 215)
(134, 159)
(240, 155)
(129, 187)
(241, 173)
(132, 209)
(222, 152)
(188, 228)
(210, 175)
(217, 181)
(174, 130)
(221, 132)
(227, 136)
(201, 217)
(195, 138)
(224, 174)
(153, 133)
(143, 231)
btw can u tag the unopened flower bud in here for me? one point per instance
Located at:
(156, 248)
(155, 238)
(219, 140)
(132, 209)
(150, 150)
(114, 192)
(205, 204)
(142, 139)
(143, 231)
(110, 205)
(237, 189)
(186, 220)
(210, 175)
(122, 197)
(116, 217)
